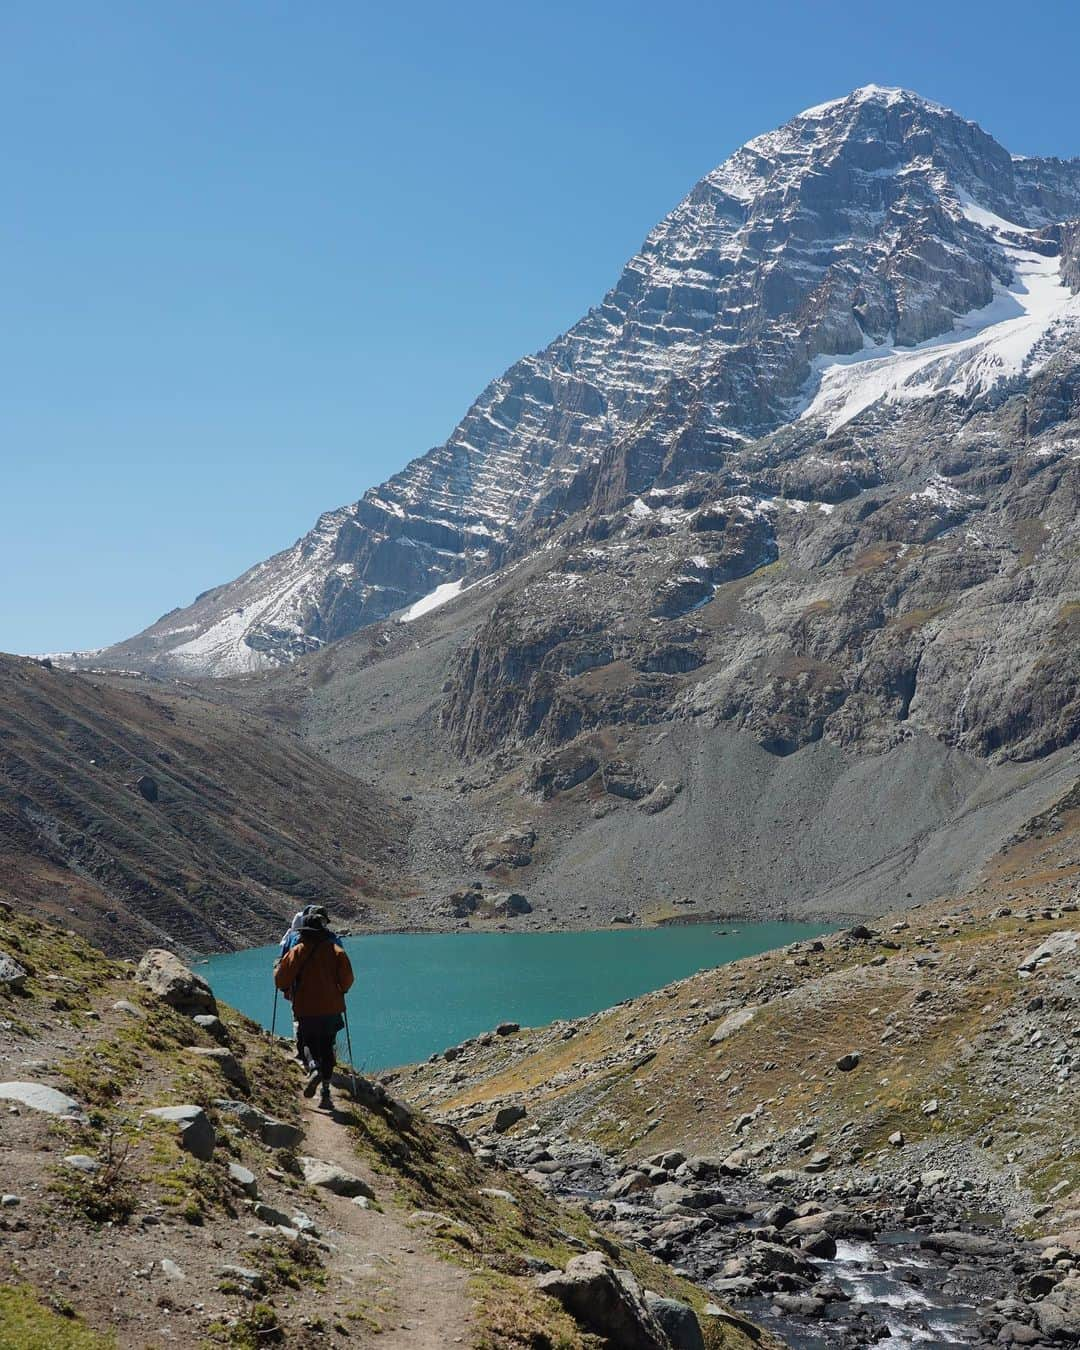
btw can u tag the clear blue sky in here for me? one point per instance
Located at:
(256, 256)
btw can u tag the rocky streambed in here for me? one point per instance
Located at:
(919, 1262)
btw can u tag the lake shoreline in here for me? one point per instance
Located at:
(417, 993)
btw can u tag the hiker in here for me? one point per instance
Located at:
(315, 975)
(291, 935)
(289, 939)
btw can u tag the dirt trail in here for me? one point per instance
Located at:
(423, 1299)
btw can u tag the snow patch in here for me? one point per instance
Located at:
(439, 596)
(988, 345)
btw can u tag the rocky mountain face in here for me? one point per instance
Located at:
(871, 224)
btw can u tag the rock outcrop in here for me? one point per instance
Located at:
(168, 979)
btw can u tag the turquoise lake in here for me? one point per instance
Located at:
(416, 993)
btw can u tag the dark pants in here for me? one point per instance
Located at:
(317, 1036)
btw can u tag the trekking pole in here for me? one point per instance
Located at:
(273, 1015)
(352, 1061)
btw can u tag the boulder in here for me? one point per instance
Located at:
(39, 1097)
(12, 975)
(330, 1177)
(274, 1217)
(245, 1179)
(963, 1244)
(849, 1061)
(196, 1134)
(512, 848)
(1058, 1314)
(507, 1116)
(621, 779)
(677, 1320)
(82, 1162)
(659, 799)
(274, 1133)
(822, 1245)
(146, 787)
(1057, 944)
(769, 1258)
(598, 1300)
(166, 976)
(212, 1025)
(510, 904)
(631, 1183)
(225, 1060)
(732, 1023)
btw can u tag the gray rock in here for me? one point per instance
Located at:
(659, 799)
(1058, 1314)
(39, 1097)
(963, 1244)
(510, 904)
(225, 1061)
(821, 1245)
(12, 975)
(599, 1301)
(507, 1116)
(166, 976)
(330, 1177)
(244, 1275)
(849, 1061)
(677, 1320)
(244, 1178)
(196, 1134)
(172, 1270)
(732, 1023)
(214, 1026)
(271, 1216)
(274, 1133)
(1057, 944)
(124, 1005)
(82, 1162)
(799, 1305)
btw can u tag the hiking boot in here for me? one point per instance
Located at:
(325, 1100)
(312, 1083)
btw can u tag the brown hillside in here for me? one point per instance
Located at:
(238, 824)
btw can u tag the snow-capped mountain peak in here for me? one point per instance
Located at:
(875, 246)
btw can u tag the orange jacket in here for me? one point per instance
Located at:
(325, 976)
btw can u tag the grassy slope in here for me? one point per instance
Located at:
(118, 1063)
